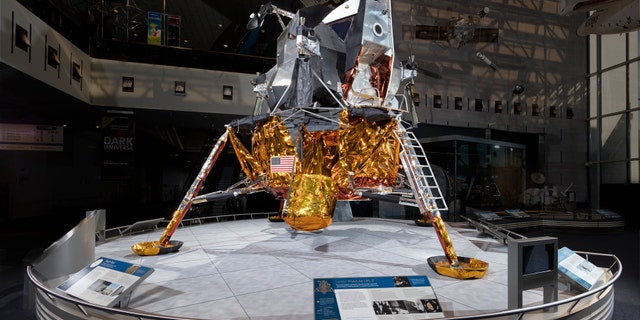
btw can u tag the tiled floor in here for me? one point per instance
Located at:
(257, 269)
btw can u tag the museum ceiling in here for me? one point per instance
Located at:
(207, 25)
(213, 33)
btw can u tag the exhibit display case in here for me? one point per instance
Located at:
(477, 174)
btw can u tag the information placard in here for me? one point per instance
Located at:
(578, 269)
(393, 297)
(30, 137)
(106, 281)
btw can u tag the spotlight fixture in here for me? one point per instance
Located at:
(518, 89)
(483, 12)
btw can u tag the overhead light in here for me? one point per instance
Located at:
(483, 12)
(518, 89)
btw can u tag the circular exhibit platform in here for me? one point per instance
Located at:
(259, 269)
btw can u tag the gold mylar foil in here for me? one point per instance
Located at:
(320, 152)
(273, 139)
(250, 166)
(369, 150)
(153, 248)
(311, 202)
(445, 240)
(467, 268)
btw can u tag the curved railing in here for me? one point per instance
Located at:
(598, 301)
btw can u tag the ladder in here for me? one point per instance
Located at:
(426, 192)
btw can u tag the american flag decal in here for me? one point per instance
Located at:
(282, 163)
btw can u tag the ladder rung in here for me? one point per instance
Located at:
(428, 191)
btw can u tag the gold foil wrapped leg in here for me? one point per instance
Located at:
(467, 268)
(153, 248)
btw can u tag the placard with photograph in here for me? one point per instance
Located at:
(105, 281)
(392, 297)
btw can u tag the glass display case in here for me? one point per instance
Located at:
(477, 174)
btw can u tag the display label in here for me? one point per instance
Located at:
(393, 297)
(105, 280)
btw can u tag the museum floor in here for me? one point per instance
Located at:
(256, 269)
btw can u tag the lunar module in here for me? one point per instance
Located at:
(329, 125)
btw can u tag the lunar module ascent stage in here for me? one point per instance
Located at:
(328, 126)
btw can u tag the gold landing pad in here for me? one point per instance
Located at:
(467, 268)
(153, 248)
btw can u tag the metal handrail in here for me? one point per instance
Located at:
(83, 305)
(595, 291)
(615, 269)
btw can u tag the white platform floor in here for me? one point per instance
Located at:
(257, 269)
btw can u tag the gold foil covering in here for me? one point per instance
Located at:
(320, 152)
(273, 139)
(467, 269)
(250, 166)
(445, 240)
(156, 247)
(369, 150)
(311, 202)
(151, 248)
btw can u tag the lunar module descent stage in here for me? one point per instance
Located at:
(328, 126)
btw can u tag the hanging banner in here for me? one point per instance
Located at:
(173, 30)
(154, 35)
(118, 147)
